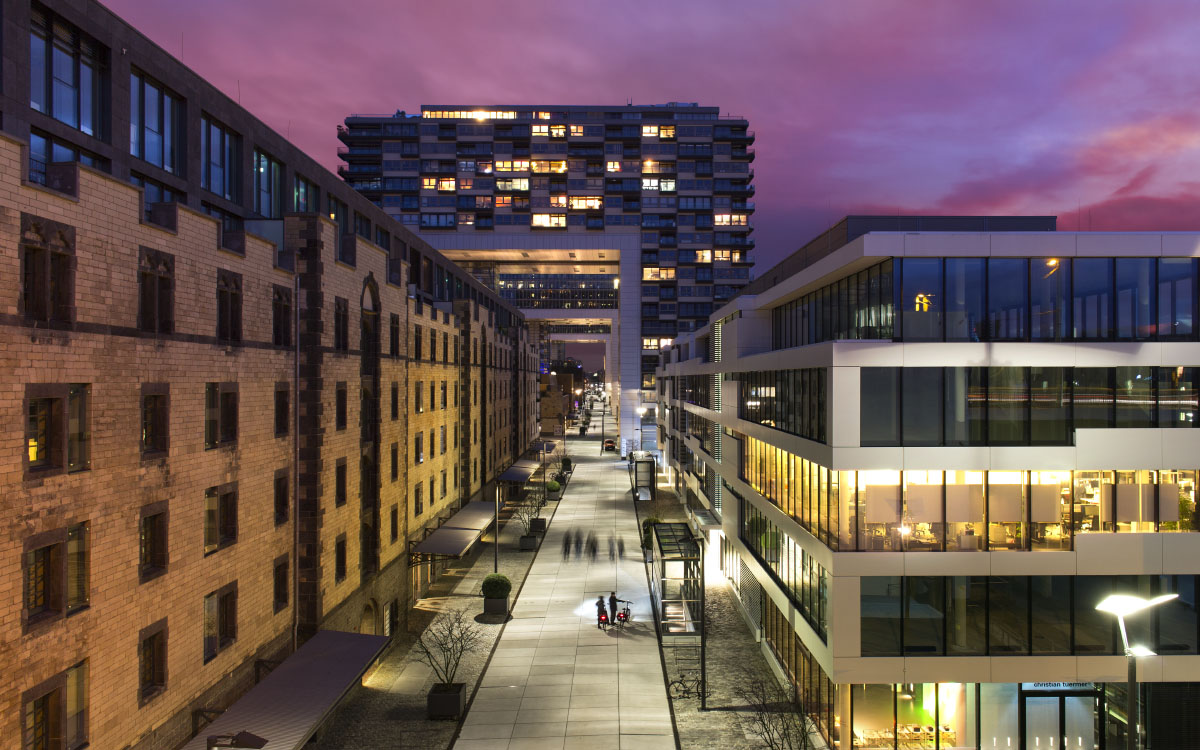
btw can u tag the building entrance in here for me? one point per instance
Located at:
(1054, 717)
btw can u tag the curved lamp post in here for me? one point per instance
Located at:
(1122, 606)
(641, 412)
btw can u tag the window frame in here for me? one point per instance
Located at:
(268, 184)
(156, 429)
(279, 604)
(282, 510)
(214, 132)
(152, 679)
(171, 122)
(229, 307)
(153, 554)
(221, 504)
(224, 631)
(217, 430)
(156, 291)
(281, 315)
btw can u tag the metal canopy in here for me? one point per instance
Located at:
(448, 542)
(475, 516)
(519, 472)
(291, 702)
(547, 446)
(676, 542)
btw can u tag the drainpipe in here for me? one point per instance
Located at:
(296, 460)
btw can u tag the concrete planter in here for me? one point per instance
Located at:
(537, 526)
(529, 542)
(495, 606)
(446, 701)
(553, 494)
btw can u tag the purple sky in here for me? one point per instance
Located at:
(1086, 109)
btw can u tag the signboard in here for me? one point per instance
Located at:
(1056, 686)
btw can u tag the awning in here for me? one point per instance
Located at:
(547, 446)
(459, 532)
(291, 702)
(519, 472)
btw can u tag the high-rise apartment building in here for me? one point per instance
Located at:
(628, 223)
(935, 445)
(238, 393)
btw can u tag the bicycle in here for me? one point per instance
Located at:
(622, 617)
(685, 687)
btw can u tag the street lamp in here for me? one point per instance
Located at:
(641, 412)
(1124, 605)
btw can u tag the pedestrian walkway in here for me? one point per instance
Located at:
(555, 681)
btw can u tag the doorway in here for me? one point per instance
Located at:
(1059, 720)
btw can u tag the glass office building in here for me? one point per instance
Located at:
(934, 445)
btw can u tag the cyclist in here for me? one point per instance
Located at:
(600, 613)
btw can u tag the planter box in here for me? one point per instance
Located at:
(446, 701)
(495, 606)
(553, 495)
(528, 542)
(537, 526)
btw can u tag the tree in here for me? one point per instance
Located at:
(445, 642)
(526, 509)
(775, 718)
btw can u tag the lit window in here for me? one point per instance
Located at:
(466, 183)
(667, 185)
(614, 166)
(705, 256)
(483, 167)
(730, 220)
(429, 183)
(541, 130)
(666, 131)
(558, 201)
(466, 220)
(503, 201)
(558, 131)
(576, 130)
(650, 183)
(446, 184)
(543, 115)
(720, 254)
(650, 130)
(549, 220)
(585, 202)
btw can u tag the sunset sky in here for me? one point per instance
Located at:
(1088, 110)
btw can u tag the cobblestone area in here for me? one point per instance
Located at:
(388, 711)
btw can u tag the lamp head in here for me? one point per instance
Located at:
(641, 411)
(1140, 651)
(1123, 605)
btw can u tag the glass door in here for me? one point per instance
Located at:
(1079, 722)
(1042, 718)
(1059, 722)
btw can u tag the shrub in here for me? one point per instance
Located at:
(553, 486)
(496, 586)
(566, 463)
(647, 542)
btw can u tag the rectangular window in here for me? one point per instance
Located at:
(155, 418)
(419, 397)
(220, 414)
(281, 316)
(418, 505)
(229, 306)
(1135, 397)
(880, 415)
(1050, 405)
(220, 517)
(155, 119)
(152, 541)
(921, 401)
(339, 482)
(55, 714)
(281, 409)
(340, 406)
(1176, 297)
(339, 213)
(1008, 406)
(220, 620)
(220, 159)
(339, 559)
(1008, 299)
(922, 301)
(419, 448)
(48, 283)
(281, 496)
(1092, 298)
(1093, 397)
(156, 291)
(1135, 285)
(305, 196)
(68, 71)
(1177, 396)
(395, 524)
(443, 394)
(1049, 299)
(442, 440)
(341, 324)
(152, 661)
(268, 186)
(395, 461)
(280, 577)
(44, 432)
(394, 335)
(395, 401)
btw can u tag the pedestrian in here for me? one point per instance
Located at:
(621, 547)
(591, 546)
(612, 548)
(600, 613)
(612, 607)
(578, 543)
(566, 548)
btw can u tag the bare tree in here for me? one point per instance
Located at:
(445, 642)
(526, 509)
(774, 717)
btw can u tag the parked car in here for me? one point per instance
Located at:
(610, 444)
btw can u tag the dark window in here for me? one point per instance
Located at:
(339, 559)
(880, 416)
(1135, 397)
(418, 506)
(966, 406)
(1135, 287)
(1050, 406)
(154, 192)
(362, 226)
(220, 620)
(433, 341)
(1049, 292)
(1092, 298)
(395, 461)
(1008, 406)
(419, 397)
(419, 448)
(1008, 299)
(156, 291)
(48, 283)
(395, 523)
(281, 497)
(921, 299)
(394, 336)
(229, 306)
(1093, 397)
(1051, 612)
(44, 433)
(395, 400)
(921, 415)
(966, 615)
(281, 316)
(220, 517)
(155, 120)
(924, 606)
(338, 213)
(1008, 599)
(268, 186)
(57, 574)
(1177, 396)
(152, 661)
(281, 409)
(220, 414)
(152, 542)
(67, 73)
(340, 406)
(963, 300)
(881, 616)
(55, 713)
(304, 196)
(340, 482)
(220, 159)
(418, 340)
(1176, 297)
(280, 596)
(341, 324)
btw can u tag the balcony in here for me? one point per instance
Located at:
(346, 171)
(355, 135)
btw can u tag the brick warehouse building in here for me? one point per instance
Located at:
(211, 348)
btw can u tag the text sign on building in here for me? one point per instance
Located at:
(1036, 686)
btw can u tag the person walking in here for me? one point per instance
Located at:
(578, 543)
(591, 546)
(612, 548)
(566, 547)
(621, 548)
(612, 607)
(600, 613)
